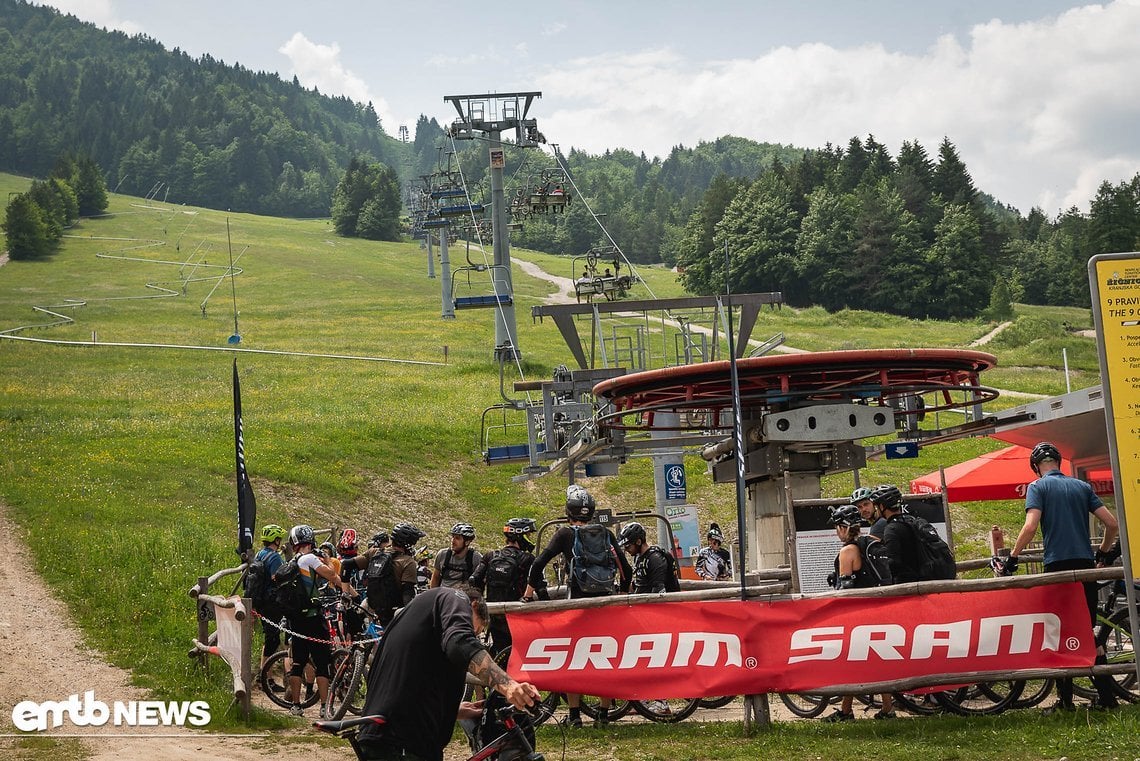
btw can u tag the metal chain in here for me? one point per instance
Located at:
(291, 633)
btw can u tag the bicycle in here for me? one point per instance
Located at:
(513, 737)
(347, 688)
(276, 669)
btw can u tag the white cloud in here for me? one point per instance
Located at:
(320, 66)
(99, 12)
(553, 29)
(1041, 112)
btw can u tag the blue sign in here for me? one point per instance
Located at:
(675, 482)
(902, 450)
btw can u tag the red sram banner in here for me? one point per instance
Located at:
(700, 649)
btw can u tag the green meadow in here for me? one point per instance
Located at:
(119, 461)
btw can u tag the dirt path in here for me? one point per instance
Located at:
(991, 335)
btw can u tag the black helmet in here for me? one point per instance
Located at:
(465, 530)
(714, 533)
(517, 527)
(1043, 451)
(301, 534)
(579, 504)
(379, 539)
(406, 535)
(845, 515)
(631, 532)
(886, 495)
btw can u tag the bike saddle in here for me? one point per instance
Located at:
(337, 727)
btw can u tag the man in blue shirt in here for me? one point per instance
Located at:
(1061, 506)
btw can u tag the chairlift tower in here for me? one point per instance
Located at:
(488, 116)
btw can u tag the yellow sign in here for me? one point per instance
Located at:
(1116, 295)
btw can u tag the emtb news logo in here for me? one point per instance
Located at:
(29, 716)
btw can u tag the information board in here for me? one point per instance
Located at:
(1115, 285)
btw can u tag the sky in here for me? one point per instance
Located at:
(1040, 97)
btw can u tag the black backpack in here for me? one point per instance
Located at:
(290, 592)
(672, 584)
(503, 575)
(935, 559)
(593, 565)
(383, 590)
(446, 569)
(256, 584)
(876, 565)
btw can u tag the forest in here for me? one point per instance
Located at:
(840, 226)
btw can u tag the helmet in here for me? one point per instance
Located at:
(714, 533)
(1041, 452)
(631, 532)
(347, 540)
(579, 504)
(271, 532)
(860, 494)
(301, 534)
(423, 553)
(378, 539)
(328, 549)
(465, 530)
(519, 527)
(845, 515)
(406, 535)
(887, 495)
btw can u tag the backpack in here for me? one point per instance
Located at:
(256, 584)
(934, 556)
(290, 592)
(876, 564)
(502, 575)
(382, 588)
(593, 565)
(672, 584)
(445, 567)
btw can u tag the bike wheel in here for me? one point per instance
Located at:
(983, 699)
(720, 702)
(619, 707)
(805, 706)
(1033, 692)
(1115, 636)
(347, 688)
(668, 711)
(920, 705)
(274, 674)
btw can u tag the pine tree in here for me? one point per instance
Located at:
(26, 230)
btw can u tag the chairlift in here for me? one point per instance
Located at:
(610, 284)
(504, 453)
(493, 299)
(550, 193)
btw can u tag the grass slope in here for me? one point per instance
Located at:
(119, 461)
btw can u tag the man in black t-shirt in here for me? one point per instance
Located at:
(416, 680)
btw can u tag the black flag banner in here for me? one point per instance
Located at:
(246, 505)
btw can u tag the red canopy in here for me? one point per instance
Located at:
(1003, 474)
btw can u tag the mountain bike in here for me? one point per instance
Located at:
(513, 739)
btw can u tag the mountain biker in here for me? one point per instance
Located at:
(861, 498)
(580, 507)
(852, 572)
(423, 569)
(417, 677)
(1061, 506)
(308, 624)
(455, 564)
(653, 568)
(503, 574)
(346, 550)
(402, 543)
(901, 543)
(270, 555)
(714, 563)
